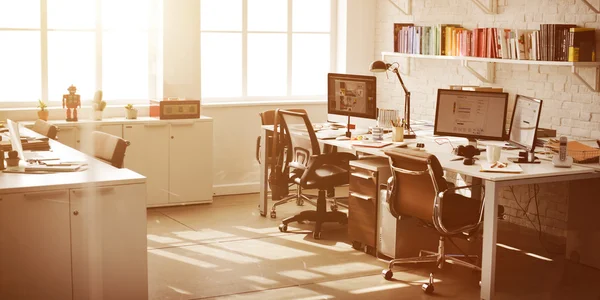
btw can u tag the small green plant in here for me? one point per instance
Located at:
(98, 103)
(129, 106)
(42, 105)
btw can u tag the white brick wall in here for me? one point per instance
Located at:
(569, 106)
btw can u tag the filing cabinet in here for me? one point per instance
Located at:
(366, 175)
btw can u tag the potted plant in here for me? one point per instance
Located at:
(98, 105)
(43, 113)
(131, 111)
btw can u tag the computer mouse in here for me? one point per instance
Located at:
(342, 138)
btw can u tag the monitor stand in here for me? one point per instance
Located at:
(348, 133)
(525, 157)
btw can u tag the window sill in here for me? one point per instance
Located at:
(262, 103)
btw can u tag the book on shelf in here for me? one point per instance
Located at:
(552, 42)
(581, 44)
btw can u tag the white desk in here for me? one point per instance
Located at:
(75, 235)
(544, 172)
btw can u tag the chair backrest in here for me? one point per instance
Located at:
(416, 179)
(109, 148)
(44, 128)
(299, 135)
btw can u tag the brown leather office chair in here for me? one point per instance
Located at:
(109, 148)
(279, 177)
(418, 189)
(44, 128)
(315, 170)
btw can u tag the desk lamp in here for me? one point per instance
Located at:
(381, 66)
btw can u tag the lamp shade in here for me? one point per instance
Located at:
(379, 66)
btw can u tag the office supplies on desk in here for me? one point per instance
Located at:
(580, 152)
(370, 144)
(500, 167)
(40, 155)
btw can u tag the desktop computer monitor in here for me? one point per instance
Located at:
(524, 122)
(352, 95)
(470, 114)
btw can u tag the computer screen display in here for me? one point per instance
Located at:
(524, 122)
(352, 95)
(15, 137)
(470, 114)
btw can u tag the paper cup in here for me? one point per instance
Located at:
(493, 153)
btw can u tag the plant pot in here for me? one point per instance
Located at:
(131, 113)
(43, 114)
(97, 115)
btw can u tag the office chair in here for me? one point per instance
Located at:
(316, 170)
(109, 148)
(46, 129)
(417, 189)
(280, 178)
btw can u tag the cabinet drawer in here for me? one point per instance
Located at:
(362, 219)
(363, 182)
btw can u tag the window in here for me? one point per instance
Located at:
(92, 44)
(261, 50)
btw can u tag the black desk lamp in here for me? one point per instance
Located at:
(381, 66)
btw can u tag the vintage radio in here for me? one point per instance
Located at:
(175, 109)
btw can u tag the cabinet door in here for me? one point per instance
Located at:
(69, 136)
(35, 248)
(190, 162)
(148, 154)
(108, 238)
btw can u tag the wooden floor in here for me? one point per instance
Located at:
(226, 250)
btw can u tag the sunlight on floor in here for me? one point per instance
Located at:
(347, 268)
(524, 252)
(184, 259)
(300, 274)
(337, 246)
(205, 235)
(222, 254)
(260, 279)
(373, 289)
(180, 291)
(259, 248)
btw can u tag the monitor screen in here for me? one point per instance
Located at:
(524, 122)
(352, 95)
(470, 114)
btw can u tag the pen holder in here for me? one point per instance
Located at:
(397, 134)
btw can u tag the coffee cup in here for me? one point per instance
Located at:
(493, 153)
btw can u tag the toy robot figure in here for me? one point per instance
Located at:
(71, 101)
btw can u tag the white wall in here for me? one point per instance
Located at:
(569, 106)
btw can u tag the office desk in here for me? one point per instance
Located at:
(544, 172)
(73, 235)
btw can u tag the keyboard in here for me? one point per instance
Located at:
(329, 134)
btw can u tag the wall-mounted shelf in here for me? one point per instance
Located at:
(407, 9)
(489, 76)
(488, 6)
(591, 6)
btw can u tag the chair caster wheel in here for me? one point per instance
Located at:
(300, 202)
(283, 228)
(428, 287)
(273, 215)
(317, 235)
(334, 208)
(357, 246)
(387, 274)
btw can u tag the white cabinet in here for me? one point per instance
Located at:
(175, 157)
(190, 162)
(35, 247)
(68, 135)
(106, 259)
(148, 154)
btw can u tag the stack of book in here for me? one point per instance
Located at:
(553, 42)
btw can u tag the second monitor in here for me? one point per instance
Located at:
(470, 114)
(352, 96)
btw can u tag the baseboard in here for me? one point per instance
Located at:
(236, 189)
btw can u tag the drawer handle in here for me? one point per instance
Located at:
(360, 196)
(363, 176)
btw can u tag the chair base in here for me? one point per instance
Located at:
(299, 197)
(319, 216)
(439, 258)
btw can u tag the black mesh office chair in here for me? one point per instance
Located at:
(417, 189)
(318, 171)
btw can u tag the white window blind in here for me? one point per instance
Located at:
(262, 50)
(47, 45)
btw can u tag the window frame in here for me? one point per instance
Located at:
(244, 98)
(153, 31)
